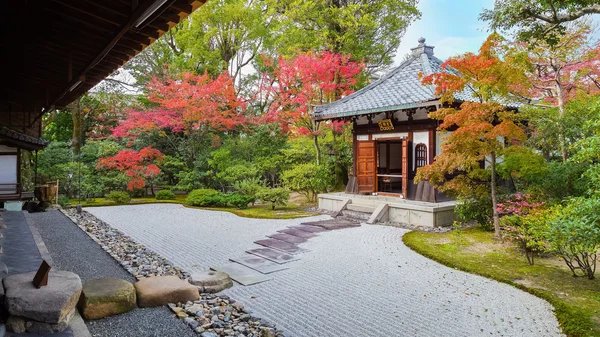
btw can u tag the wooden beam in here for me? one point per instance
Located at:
(83, 11)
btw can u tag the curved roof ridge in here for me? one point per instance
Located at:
(370, 86)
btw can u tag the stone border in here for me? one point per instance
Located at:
(39, 242)
(217, 315)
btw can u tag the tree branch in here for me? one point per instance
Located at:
(560, 18)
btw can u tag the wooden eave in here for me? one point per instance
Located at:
(49, 45)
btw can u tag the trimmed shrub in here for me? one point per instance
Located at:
(165, 195)
(478, 210)
(215, 200)
(238, 200)
(249, 187)
(575, 235)
(119, 197)
(202, 197)
(276, 196)
(63, 200)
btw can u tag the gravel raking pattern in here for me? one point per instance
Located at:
(354, 282)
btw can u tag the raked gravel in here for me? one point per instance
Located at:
(354, 282)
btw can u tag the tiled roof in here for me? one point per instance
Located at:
(17, 136)
(399, 89)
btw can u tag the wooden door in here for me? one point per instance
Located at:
(405, 172)
(366, 166)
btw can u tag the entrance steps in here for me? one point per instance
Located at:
(365, 212)
(354, 215)
(362, 208)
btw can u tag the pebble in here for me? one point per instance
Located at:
(211, 316)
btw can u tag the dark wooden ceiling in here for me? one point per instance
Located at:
(49, 45)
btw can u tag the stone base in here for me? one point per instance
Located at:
(211, 281)
(53, 304)
(18, 324)
(161, 290)
(106, 297)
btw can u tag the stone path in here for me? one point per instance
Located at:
(354, 282)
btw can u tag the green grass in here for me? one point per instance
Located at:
(576, 300)
(291, 211)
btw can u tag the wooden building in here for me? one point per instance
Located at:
(55, 51)
(393, 136)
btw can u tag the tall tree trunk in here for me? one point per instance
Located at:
(561, 112)
(317, 148)
(77, 127)
(496, 217)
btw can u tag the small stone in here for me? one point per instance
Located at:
(238, 306)
(16, 324)
(193, 309)
(191, 322)
(182, 314)
(245, 318)
(208, 334)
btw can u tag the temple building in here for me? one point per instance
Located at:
(392, 137)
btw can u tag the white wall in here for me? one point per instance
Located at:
(439, 140)
(418, 138)
(8, 173)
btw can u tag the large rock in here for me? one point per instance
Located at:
(161, 290)
(211, 281)
(50, 304)
(106, 297)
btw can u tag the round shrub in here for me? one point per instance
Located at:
(165, 195)
(203, 197)
(240, 201)
(119, 197)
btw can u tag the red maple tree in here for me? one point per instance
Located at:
(137, 165)
(192, 103)
(294, 85)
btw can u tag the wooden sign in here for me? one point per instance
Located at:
(385, 125)
(41, 277)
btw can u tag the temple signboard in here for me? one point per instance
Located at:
(385, 125)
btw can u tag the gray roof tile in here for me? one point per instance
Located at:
(401, 88)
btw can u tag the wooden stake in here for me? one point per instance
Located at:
(41, 277)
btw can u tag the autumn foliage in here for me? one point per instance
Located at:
(295, 85)
(137, 165)
(481, 127)
(187, 104)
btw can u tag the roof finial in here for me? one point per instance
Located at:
(422, 41)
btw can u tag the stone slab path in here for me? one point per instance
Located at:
(360, 281)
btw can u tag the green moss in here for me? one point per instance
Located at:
(291, 211)
(575, 300)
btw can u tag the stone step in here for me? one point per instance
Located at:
(283, 246)
(241, 274)
(259, 264)
(288, 238)
(360, 216)
(361, 208)
(273, 255)
(298, 232)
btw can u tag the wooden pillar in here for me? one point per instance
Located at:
(432, 145)
(405, 168)
(410, 154)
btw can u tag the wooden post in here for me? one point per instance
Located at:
(56, 200)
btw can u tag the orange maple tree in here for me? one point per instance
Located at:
(482, 127)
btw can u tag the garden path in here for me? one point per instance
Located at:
(359, 281)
